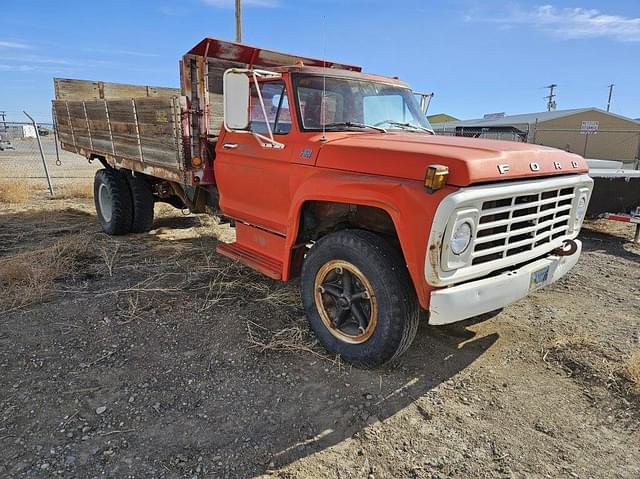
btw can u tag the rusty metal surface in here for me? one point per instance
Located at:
(258, 57)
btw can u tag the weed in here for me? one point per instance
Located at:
(74, 190)
(28, 277)
(14, 192)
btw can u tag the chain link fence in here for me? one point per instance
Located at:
(21, 158)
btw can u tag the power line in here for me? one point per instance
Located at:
(551, 103)
(610, 94)
(238, 22)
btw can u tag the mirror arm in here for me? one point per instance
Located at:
(266, 142)
(263, 141)
(264, 109)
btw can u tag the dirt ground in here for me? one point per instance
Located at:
(150, 356)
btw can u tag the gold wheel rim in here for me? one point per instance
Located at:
(346, 302)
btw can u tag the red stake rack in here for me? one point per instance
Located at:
(632, 218)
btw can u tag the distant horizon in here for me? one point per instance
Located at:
(477, 57)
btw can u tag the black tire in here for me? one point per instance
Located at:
(143, 202)
(110, 189)
(383, 267)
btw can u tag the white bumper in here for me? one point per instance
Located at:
(467, 300)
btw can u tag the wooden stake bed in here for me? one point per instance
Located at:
(132, 126)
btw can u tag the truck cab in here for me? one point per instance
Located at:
(336, 177)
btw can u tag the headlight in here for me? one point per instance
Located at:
(461, 238)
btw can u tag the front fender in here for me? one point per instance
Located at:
(406, 202)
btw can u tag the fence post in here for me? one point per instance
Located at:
(44, 160)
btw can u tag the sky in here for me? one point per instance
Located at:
(477, 57)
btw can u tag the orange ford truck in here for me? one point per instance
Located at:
(334, 176)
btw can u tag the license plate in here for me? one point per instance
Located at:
(539, 278)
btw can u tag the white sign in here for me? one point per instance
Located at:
(589, 127)
(28, 131)
(494, 116)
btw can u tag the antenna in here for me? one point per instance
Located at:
(551, 104)
(610, 94)
(323, 115)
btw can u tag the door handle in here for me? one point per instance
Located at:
(230, 146)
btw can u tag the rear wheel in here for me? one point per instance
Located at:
(142, 199)
(113, 202)
(359, 298)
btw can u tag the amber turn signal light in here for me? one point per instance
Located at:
(196, 162)
(436, 177)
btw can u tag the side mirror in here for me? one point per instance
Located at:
(236, 100)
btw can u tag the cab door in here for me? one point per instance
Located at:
(253, 180)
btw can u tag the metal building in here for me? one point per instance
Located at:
(590, 132)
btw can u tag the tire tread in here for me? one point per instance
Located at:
(122, 208)
(390, 266)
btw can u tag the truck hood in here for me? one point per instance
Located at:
(470, 160)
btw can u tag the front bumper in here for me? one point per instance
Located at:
(467, 300)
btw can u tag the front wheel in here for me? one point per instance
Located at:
(359, 298)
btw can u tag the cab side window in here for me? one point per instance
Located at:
(276, 105)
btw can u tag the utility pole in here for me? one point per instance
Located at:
(610, 93)
(238, 22)
(551, 104)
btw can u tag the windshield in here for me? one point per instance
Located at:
(356, 104)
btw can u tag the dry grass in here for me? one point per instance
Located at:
(29, 277)
(631, 371)
(74, 190)
(573, 341)
(164, 209)
(581, 356)
(291, 339)
(15, 191)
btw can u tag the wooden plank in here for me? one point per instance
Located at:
(122, 90)
(62, 122)
(71, 89)
(142, 130)
(79, 124)
(99, 126)
(123, 129)
(157, 128)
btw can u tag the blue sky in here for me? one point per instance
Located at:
(477, 56)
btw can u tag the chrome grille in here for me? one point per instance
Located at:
(514, 224)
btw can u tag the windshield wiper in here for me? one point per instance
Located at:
(407, 125)
(353, 124)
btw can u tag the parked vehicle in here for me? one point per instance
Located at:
(335, 176)
(6, 145)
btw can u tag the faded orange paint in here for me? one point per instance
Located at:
(268, 187)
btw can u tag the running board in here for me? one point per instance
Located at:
(257, 249)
